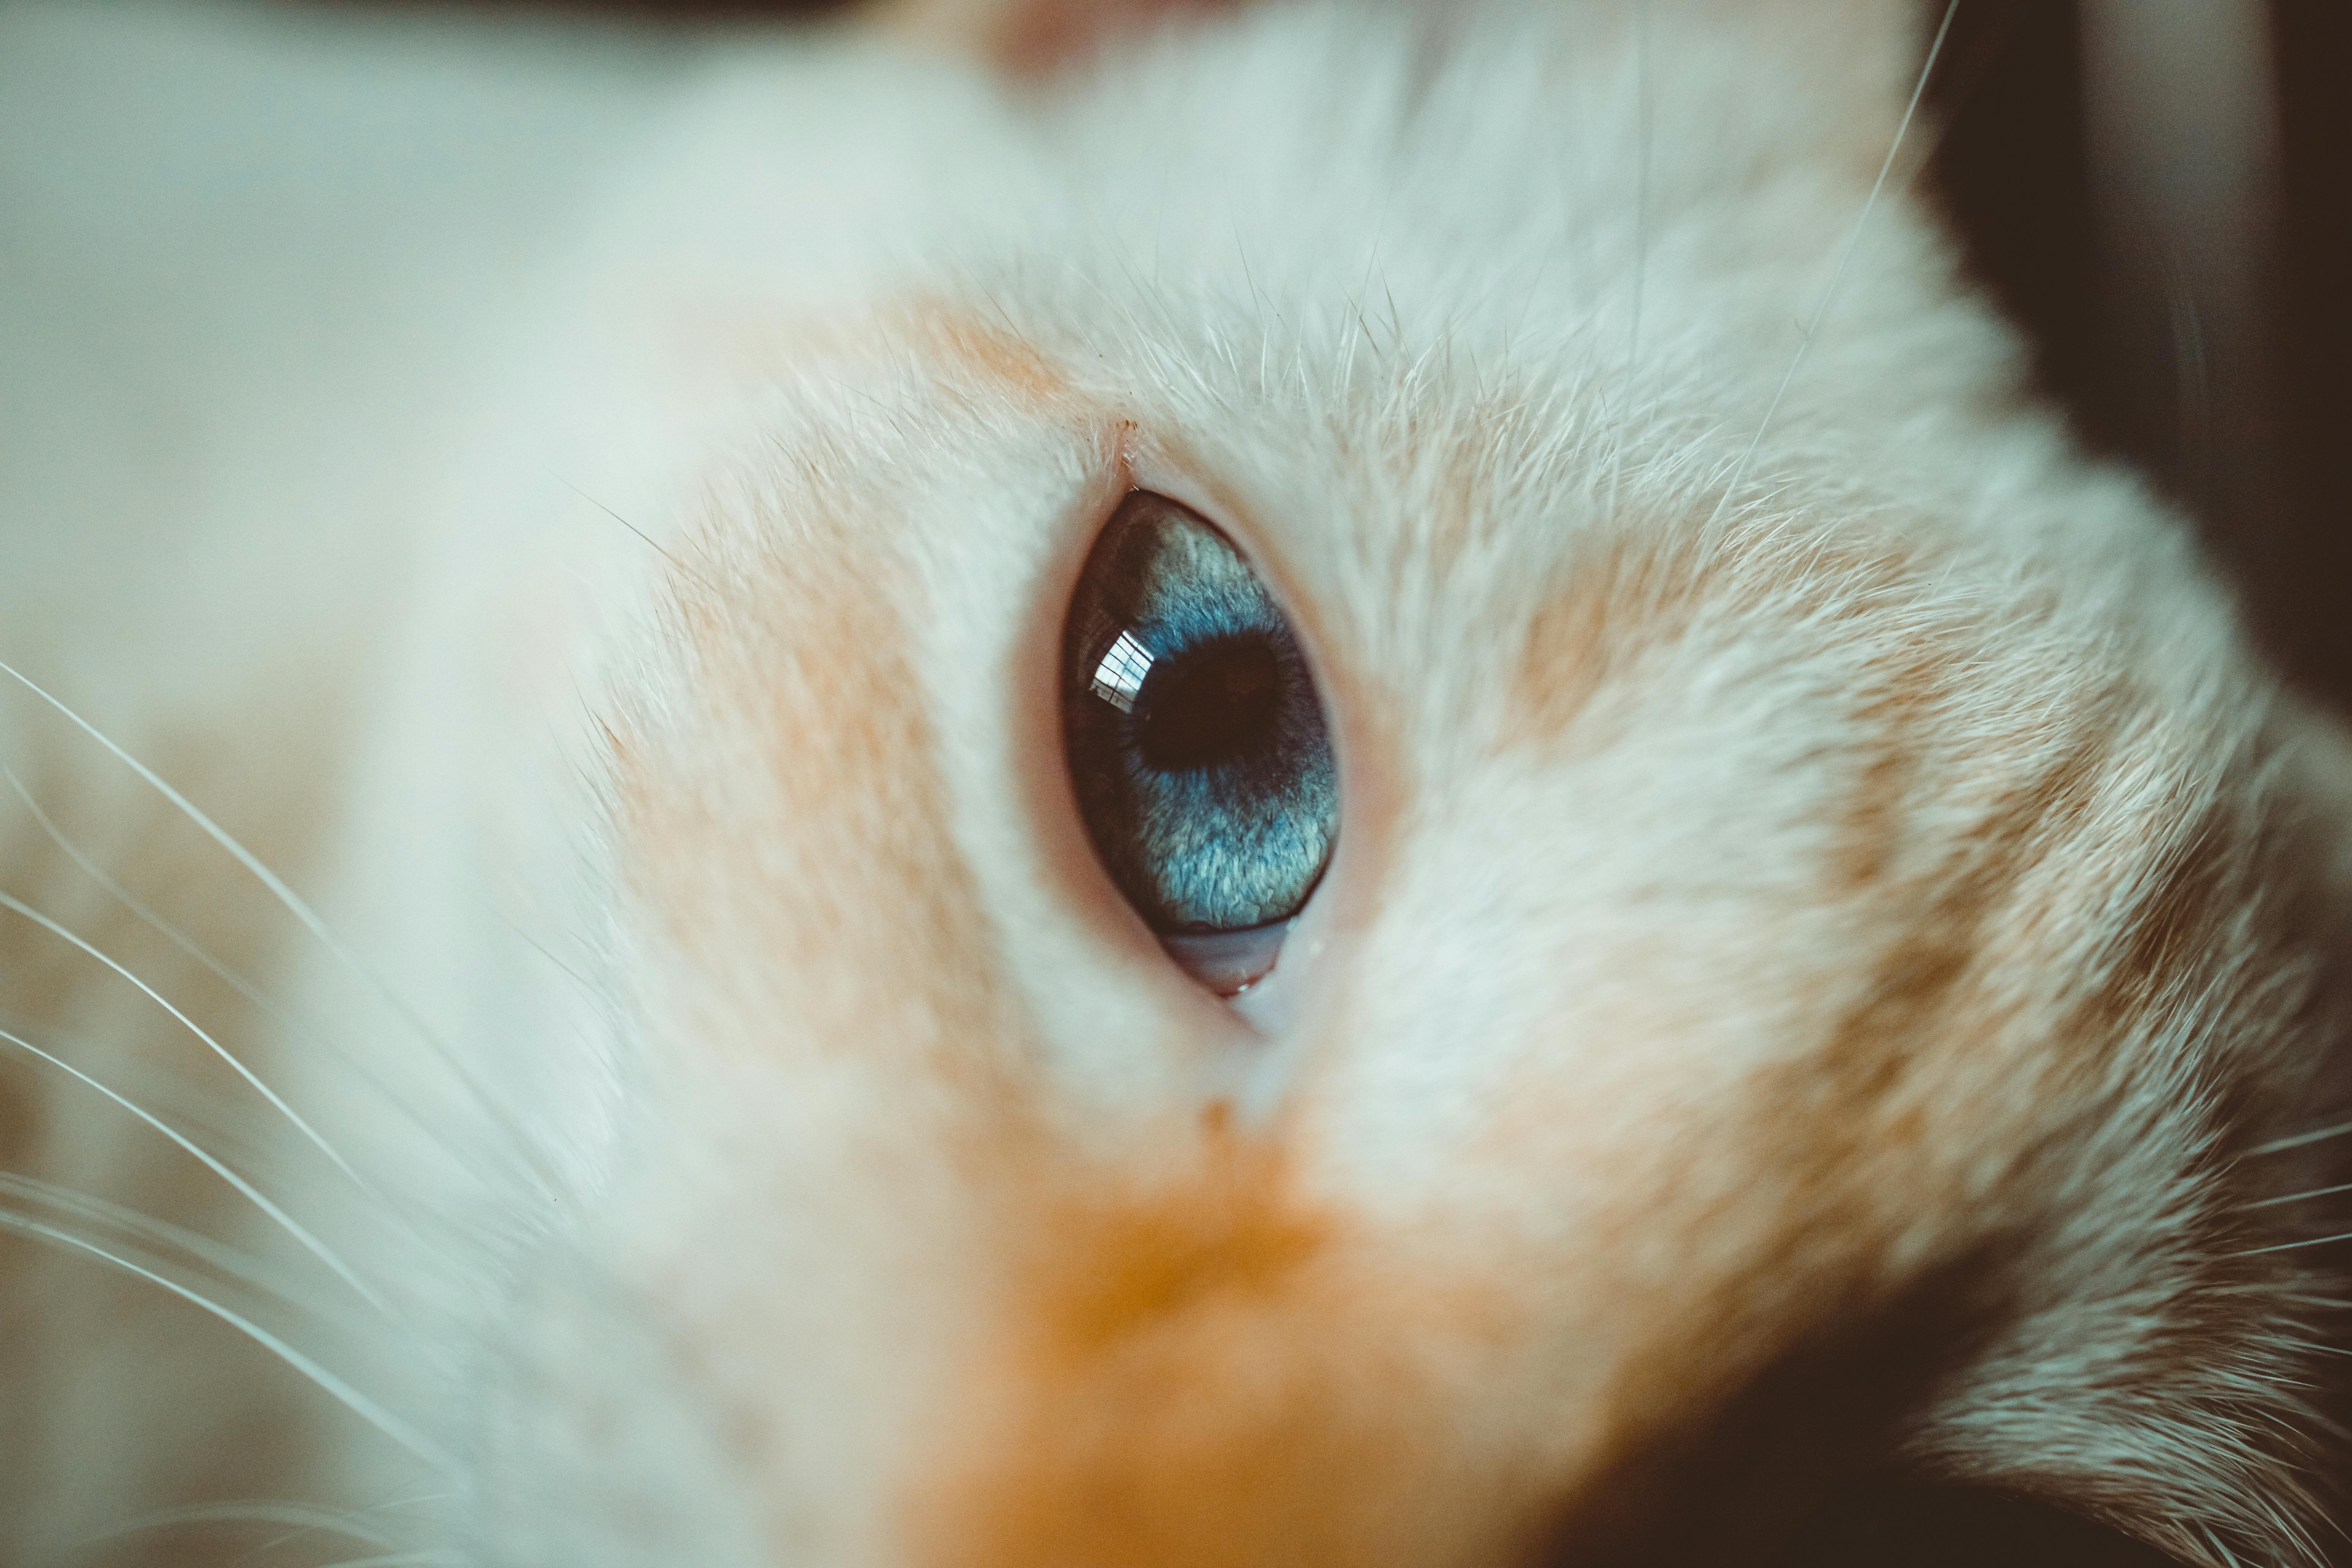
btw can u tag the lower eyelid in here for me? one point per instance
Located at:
(1228, 962)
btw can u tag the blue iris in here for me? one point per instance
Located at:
(1196, 743)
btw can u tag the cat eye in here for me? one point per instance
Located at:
(1195, 742)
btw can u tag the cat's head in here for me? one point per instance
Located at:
(1789, 952)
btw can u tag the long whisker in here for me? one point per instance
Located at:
(217, 834)
(2297, 1140)
(337, 1522)
(2296, 1197)
(225, 974)
(350, 1398)
(18, 905)
(123, 896)
(293, 903)
(1845, 259)
(246, 1189)
(301, 1518)
(229, 1261)
(2292, 1246)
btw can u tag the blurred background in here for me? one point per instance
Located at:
(2158, 192)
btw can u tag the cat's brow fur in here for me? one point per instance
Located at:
(1830, 919)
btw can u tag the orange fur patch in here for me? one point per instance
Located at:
(1624, 598)
(993, 355)
(1202, 1372)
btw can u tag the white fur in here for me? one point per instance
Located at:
(366, 487)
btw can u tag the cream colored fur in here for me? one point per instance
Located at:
(1830, 919)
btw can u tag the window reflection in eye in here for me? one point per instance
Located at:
(1120, 676)
(1195, 740)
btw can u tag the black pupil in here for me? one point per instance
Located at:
(1215, 705)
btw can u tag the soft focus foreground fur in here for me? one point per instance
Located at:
(1831, 937)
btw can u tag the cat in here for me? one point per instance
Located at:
(1090, 786)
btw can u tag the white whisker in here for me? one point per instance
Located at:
(2292, 1246)
(223, 972)
(227, 1260)
(2297, 1140)
(341, 1524)
(251, 1194)
(293, 903)
(10, 902)
(89, 868)
(350, 1398)
(1845, 259)
(2296, 1197)
(219, 835)
(301, 1518)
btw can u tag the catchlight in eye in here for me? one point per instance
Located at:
(1195, 740)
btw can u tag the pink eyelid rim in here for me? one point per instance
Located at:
(1229, 961)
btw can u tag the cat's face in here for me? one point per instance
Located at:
(1747, 1028)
